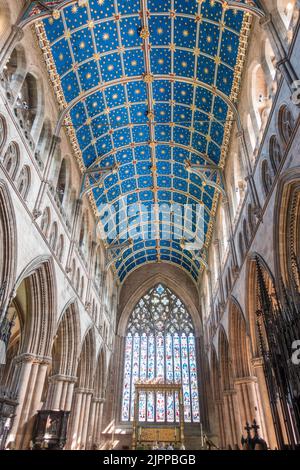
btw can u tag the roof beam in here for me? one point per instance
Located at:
(86, 187)
(115, 252)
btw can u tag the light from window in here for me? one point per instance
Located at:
(160, 344)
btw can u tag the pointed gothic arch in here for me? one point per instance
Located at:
(8, 244)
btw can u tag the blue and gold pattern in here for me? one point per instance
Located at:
(159, 71)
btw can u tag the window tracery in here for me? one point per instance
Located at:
(160, 344)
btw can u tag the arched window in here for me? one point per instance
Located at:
(251, 219)
(11, 160)
(241, 247)
(82, 287)
(251, 132)
(275, 153)
(270, 59)
(27, 103)
(60, 247)
(61, 182)
(266, 177)
(44, 143)
(285, 123)
(259, 95)
(53, 236)
(97, 273)
(14, 72)
(160, 344)
(24, 181)
(73, 271)
(45, 223)
(77, 281)
(245, 233)
(2, 132)
(286, 10)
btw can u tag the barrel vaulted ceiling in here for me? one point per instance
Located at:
(149, 81)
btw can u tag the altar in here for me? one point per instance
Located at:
(146, 434)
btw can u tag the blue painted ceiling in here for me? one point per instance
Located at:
(148, 95)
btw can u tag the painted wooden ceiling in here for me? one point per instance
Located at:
(148, 82)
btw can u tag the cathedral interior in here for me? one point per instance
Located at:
(149, 224)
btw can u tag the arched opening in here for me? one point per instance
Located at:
(287, 232)
(26, 106)
(44, 142)
(23, 183)
(62, 374)
(241, 248)
(286, 10)
(160, 344)
(8, 246)
(45, 221)
(14, 72)
(270, 59)
(53, 236)
(60, 248)
(61, 181)
(267, 181)
(286, 124)
(3, 133)
(11, 160)
(29, 346)
(275, 153)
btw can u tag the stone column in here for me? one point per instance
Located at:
(30, 373)
(233, 417)
(220, 414)
(80, 419)
(85, 418)
(74, 423)
(270, 435)
(60, 392)
(95, 422)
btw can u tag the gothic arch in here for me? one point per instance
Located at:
(275, 153)
(172, 285)
(65, 349)
(100, 377)
(24, 180)
(224, 360)
(286, 124)
(3, 133)
(266, 178)
(287, 226)
(8, 243)
(238, 340)
(87, 358)
(11, 159)
(14, 72)
(40, 286)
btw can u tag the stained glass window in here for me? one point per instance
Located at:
(160, 343)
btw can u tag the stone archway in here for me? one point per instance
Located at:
(35, 294)
(8, 248)
(65, 350)
(287, 229)
(245, 382)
